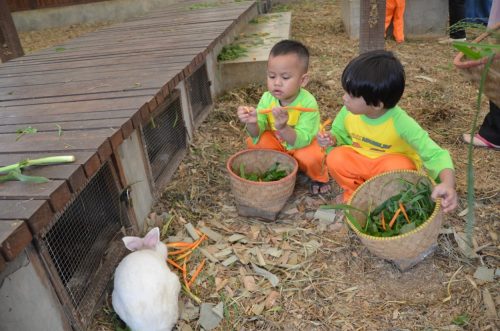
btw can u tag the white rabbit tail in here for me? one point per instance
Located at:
(146, 291)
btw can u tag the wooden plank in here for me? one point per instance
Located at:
(56, 191)
(37, 213)
(8, 35)
(73, 173)
(67, 127)
(142, 92)
(14, 237)
(2, 263)
(48, 141)
(64, 110)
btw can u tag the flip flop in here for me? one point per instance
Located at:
(479, 141)
(316, 187)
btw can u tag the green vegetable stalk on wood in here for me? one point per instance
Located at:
(13, 171)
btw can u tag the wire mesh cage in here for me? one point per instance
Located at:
(198, 89)
(78, 245)
(165, 139)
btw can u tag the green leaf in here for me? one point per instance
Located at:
(461, 320)
(468, 51)
(29, 179)
(407, 228)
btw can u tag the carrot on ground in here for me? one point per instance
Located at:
(323, 126)
(383, 221)
(196, 272)
(401, 206)
(172, 262)
(396, 214)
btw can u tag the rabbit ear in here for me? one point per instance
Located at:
(133, 243)
(152, 238)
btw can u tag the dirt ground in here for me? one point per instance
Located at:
(328, 280)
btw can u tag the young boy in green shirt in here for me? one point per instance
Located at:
(287, 117)
(373, 135)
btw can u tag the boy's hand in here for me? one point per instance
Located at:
(280, 118)
(325, 139)
(247, 115)
(448, 195)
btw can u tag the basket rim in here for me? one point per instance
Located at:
(458, 60)
(421, 227)
(293, 173)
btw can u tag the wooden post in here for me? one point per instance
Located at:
(371, 25)
(10, 46)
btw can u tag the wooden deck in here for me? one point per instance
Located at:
(98, 88)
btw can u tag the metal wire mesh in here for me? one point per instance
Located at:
(198, 87)
(165, 136)
(79, 238)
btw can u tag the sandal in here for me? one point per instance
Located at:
(479, 141)
(316, 188)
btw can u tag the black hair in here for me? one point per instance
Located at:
(288, 46)
(377, 76)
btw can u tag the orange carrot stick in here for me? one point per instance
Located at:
(186, 254)
(179, 244)
(174, 264)
(404, 212)
(196, 272)
(396, 214)
(383, 221)
(268, 110)
(182, 250)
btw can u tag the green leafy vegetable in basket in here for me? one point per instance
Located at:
(274, 173)
(400, 213)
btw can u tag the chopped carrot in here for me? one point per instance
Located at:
(174, 264)
(196, 272)
(179, 244)
(183, 256)
(404, 212)
(396, 214)
(180, 251)
(383, 221)
(268, 110)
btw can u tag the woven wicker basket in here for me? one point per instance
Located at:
(261, 199)
(408, 246)
(472, 69)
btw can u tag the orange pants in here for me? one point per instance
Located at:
(310, 158)
(394, 11)
(350, 169)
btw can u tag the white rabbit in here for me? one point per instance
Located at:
(146, 291)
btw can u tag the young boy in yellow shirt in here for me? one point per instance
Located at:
(292, 119)
(373, 135)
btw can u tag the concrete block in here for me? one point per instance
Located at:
(258, 38)
(423, 19)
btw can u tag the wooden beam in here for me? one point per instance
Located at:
(10, 46)
(371, 25)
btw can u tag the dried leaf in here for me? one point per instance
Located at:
(215, 236)
(230, 260)
(491, 311)
(484, 274)
(191, 230)
(271, 299)
(463, 246)
(236, 237)
(220, 283)
(272, 278)
(224, 253)
(260, 257)
(209, 317)
(311, 247)
(249, 283)
(257, 308)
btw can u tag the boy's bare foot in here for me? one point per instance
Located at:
(316, 188)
